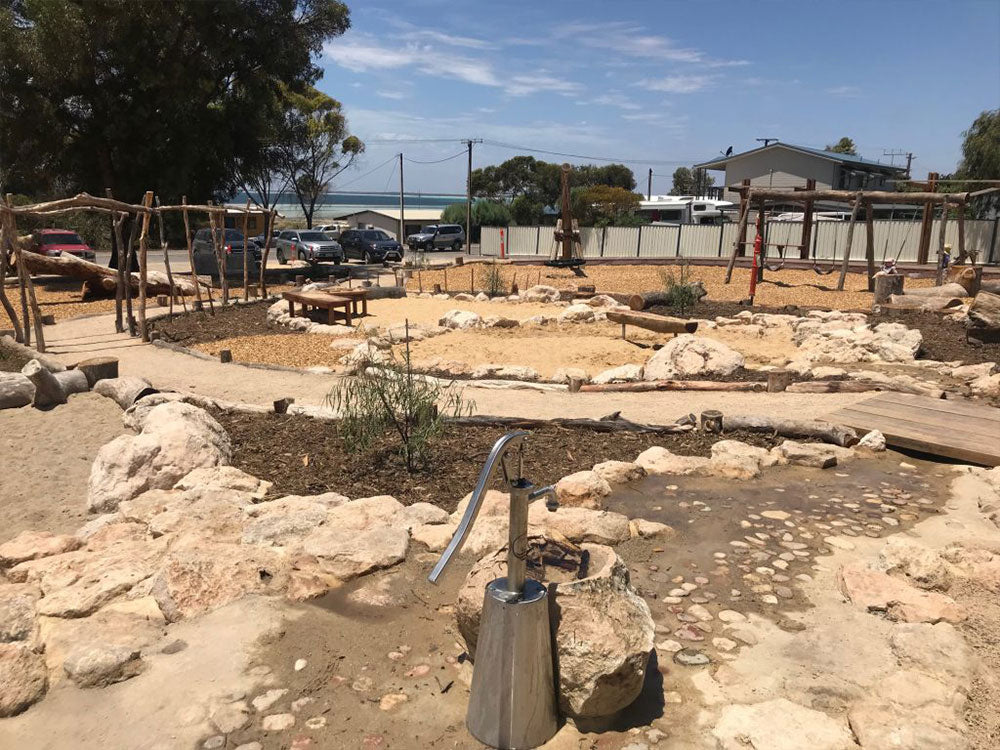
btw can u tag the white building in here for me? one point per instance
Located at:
(387, 219)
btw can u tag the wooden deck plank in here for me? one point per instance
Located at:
(963, 431)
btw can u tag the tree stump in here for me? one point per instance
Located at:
(225, 356)
(711, 421)
(575, 384)
(985, 311)
(886, 286)
(124, 391)
(98, 368)
(970, 277)
(300, 280)
(282, 404)
(162, 300)
(48, 320)
(778, 380)
(52, 389)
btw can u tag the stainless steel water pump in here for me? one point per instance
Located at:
(513, 701)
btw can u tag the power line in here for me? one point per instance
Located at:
(370, 171)
(661, 162)
(387, 179)
(415, 140)
(436, 161)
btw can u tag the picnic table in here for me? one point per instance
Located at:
(321, 301)
(358, 297)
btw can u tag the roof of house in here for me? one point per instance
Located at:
(411, 214)
(851, 159)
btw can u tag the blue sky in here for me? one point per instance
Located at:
(661, 83)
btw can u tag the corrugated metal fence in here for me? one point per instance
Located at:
(892, 239)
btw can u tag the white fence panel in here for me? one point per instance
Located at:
(700, 241)
(522, 240)
(620, 242)
(658, 242)
(489, 241)
(590, 239)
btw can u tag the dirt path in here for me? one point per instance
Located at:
(47, 457)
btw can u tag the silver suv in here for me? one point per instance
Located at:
(310, 245)
(437, 236)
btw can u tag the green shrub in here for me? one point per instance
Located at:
(491, 280)
(387, 398)
(682, 293)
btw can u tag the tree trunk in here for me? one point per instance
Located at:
(969, 277)
(792, 428)
(124, 391)
(926, 304)
(985, 311)
(945, 290)
(850, 241)
(98, 276)
(887, 285)
(53, 388)
(15, 390)
(652, 322)
(98, 368)
(646, 300)
(673, 385)
(605, 424)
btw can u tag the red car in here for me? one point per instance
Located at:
(55, 241)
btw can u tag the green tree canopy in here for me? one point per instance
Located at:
(175, 97)
(485, 213)
(691, 181)
(541, 181)
(844, 146)
(981, 158)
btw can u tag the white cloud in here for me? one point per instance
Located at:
(847, 91)
(530, 84)
(677, 84)
(632, 40)
(391, 94)
(613, 99)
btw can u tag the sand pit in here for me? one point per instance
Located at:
(47, 457)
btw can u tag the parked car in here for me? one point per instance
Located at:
(437, 236)
(370, 245)
(205, 263)
(56, 241)
(334, 230)
(260, 240)
(310, 245)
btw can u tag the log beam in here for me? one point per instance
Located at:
(653, 322)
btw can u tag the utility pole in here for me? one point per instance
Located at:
(892, 158)
(649, 186)
(468, 199)
(402, 204)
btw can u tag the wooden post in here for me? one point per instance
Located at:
(127, 277)
(807, 222)
(28, 288)
(190, 249)
(166, 261)
(740, 232)
(927, 221)
(446, 279)
(246, 262)
(870, 245)
(961, 237)
(472, 279)
(218, 235)
(744, 196)
(939, 277)
(850, 240)
(886, 286)
(7, 306)
(268, 230)
(147, 201)
(778, 380)
(116, 234)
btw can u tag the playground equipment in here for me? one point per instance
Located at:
(567, 249)
(513, 701)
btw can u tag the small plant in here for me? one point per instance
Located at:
(491, 278)
(387, 397)
(681, 292)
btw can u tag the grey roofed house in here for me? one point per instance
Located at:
(785, 165)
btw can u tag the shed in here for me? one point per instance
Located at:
(387, 219)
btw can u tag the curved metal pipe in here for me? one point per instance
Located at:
(500, 448)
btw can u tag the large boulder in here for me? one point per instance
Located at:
(620, 374)
(619, 472)
(584, 489)
(658, 461)
(689, 356)
(459, 319)
(17, 612)
(541, 293)
(99, 664)
(176, 439)
(31, 545)
(603, 631)
(921, 565)
(780, 724)
(577, 314)
(23, 678)
(346, 553)
(880, 593)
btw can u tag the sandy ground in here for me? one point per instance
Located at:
(46, 462)
(784, 287)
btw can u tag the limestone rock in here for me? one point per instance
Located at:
(17, 612)
(98, 664)
(197, 578)
(877, 592)
(176, 438)
(347, 553)
(937, 649)
(497, 321)
(619, 472)
(565, 374)
(986, 385)
(23, 678)
(922, 566)
(737, 449)
(459, 319)
(882, 726)
(817, 455)
(541, 293)
(282, 528)
(659, 461)
(583, 489)
(31, 545)
(622, 374)
(505, 372)
(99, 581)
(224, 478)
(421, 513)
(364, 513)
(577, 314)
(602, 300)
(578, 524)
(873, 441)
(729, 466)
(434, 536)
(689, 356)
(603, 632)
(780, 724)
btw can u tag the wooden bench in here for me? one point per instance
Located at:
(358, 297)
(321, 301)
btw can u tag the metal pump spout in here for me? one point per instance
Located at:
(512, 705)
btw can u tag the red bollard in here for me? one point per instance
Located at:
(757, 244)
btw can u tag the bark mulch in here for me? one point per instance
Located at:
(304, 456)
(227, 322)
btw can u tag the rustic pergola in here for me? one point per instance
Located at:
(122, 278)
(856, 199)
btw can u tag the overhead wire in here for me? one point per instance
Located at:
(341, 186)
(436, 161)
